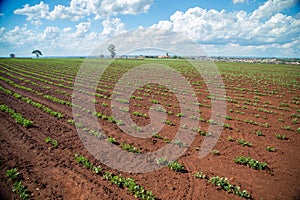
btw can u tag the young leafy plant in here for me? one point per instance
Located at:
(259, 133)
(244, 142)
(18, 187)
(248, 161)
(281, 137)
(224, 183)
(215, 152)
(51, 141)
(12, 174)
(130, 148)
(137, 190)
(21, 190)
(162, 161)
(17, 116)
(112, 140)
(271, 149)
(180, 143)
(168, 122)
(175, 166)
(200, 174)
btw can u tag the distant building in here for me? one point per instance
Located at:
(166, 56)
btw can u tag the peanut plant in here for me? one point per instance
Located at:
(17, 116)
(250, 162)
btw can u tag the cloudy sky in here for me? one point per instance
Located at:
(222, 27)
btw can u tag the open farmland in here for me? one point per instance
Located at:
(256, 156)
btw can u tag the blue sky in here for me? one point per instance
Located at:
(269, 28)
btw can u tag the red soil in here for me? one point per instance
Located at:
(50, 173)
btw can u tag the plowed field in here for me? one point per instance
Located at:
(262, 121)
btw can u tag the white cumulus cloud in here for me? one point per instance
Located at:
(221, 27)
(82, 28)
(53, 40)
(78, 9)
(263, 29)
(34, 13)
(238, 1)
(113, 27)
(271, 7)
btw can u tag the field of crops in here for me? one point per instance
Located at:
(42, 156)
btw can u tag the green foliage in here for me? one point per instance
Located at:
(139, 114)
(37, 52)
(180, 143)
(228, 117)
(259, 133)
(156, 135)
(86, 163)
(138, 128)
(271, 149)
(180, 115)
(12, 174)
(281, 137)
(289, 128)
(250, 122)
(204, 133)
(21, 190)
(130, 148)
(96, 133)
(154, 101)
(17, 116)
(52, 141)
(244, 142)
(200, 174)
(225, 125)
(112, 140)
(175, 166)
(162, 161)
(266, 125)
(295, 121)
(215, 152)
(230, 139)
(166, 140)
(18, 187)
(284, 105)
(83, 160)
(168, 122)
(124, 109)
(122, 101)
(112, 50)
(224, 183)
(129, 183)
(211, 121)
(250, 162)
(71, 121)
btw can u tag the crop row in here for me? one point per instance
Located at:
(96, 94)
(129, 183)
(224, 184)
(33, 103)
(18, 187)
(138, 190)
(17, 116)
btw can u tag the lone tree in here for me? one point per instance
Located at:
(12, 55)
(112, 49)
(37, 52)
